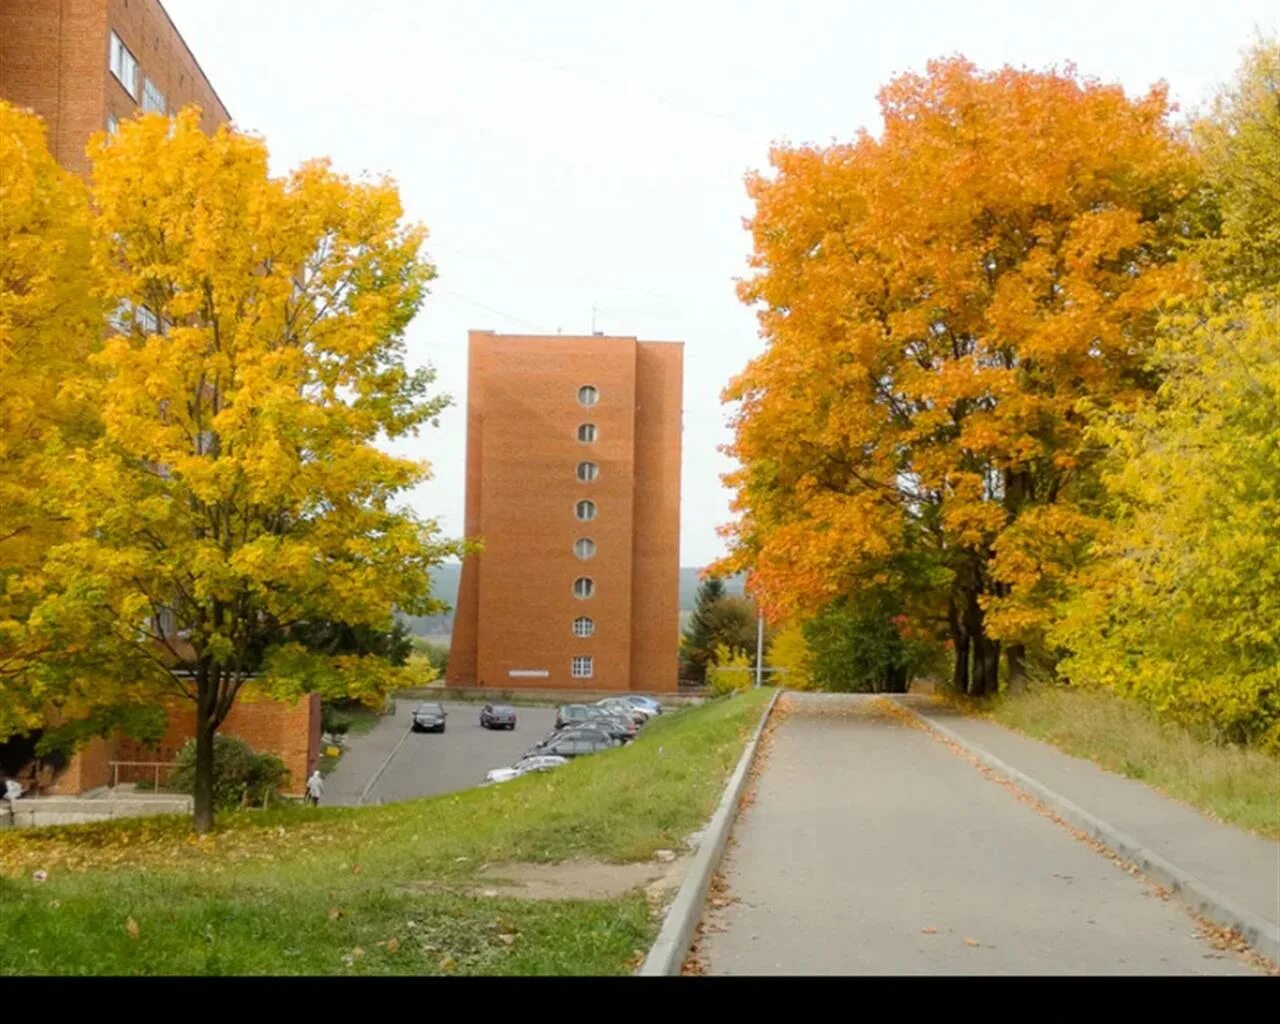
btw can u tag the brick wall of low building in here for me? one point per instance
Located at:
(290, 730)
(88, 769)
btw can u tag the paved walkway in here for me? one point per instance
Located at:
(870, 848)
(1242, 866)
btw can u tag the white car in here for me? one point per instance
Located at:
(534, 763)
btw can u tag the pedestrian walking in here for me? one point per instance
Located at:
(315, 788)
(12, 790)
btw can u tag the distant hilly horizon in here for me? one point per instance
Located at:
(446, 578)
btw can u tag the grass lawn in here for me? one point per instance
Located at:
(377, 890)
(1232, 784)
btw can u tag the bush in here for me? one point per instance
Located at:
(240, 773)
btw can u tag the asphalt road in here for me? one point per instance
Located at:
(870, 848)
(424, 764)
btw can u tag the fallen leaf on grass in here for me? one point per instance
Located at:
(335, 913)
(448, 963)
(507, 938)
(131, 926)
(393, 944)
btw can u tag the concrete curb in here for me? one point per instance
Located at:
(1262, 935)
(667, 955)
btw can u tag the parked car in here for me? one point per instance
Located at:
(621, 729)
(575, 714)
(618, 706)
(498, 716)
(596, 728)
(575, 743)
(527, 764)
(429, 718)
(641, 701)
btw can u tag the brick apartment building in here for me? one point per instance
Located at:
(573, 485)
(83, 66)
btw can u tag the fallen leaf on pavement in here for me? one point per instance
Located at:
(930, 930)
(972, 942)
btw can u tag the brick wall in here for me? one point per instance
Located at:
(290, 730)
(54, 60)
(516, 603)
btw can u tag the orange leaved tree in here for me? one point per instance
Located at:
(943, 306)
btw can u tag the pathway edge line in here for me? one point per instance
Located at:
(1262, 935)
(667, 955)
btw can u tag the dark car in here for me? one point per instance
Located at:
(429, 718)
(624, 709)
(498, 716)
(576, 714)
(621, 729)
(575, 743)
(592, 730)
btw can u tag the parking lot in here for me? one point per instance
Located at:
(392, 763)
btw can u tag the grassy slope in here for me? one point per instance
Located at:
(1231, 784)
(381, 890)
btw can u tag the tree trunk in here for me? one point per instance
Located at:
(1016, 662)
(206, 728)
(960, 641)
(986, 666)
(203, 788)
(985, 675)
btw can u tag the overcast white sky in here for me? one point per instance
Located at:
(568, 154)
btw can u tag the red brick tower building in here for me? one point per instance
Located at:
(573, 486)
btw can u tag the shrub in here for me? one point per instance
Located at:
(240, 773)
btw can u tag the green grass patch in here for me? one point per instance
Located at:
(1232, 784)
(380, 890)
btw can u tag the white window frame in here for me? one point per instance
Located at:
(590, 429)
(588, 395)
(152, 98)
(588, 472)
(582, 666)
(123, 64)
(113, 124)
(146, 320)
(584, 626)
(584, 588)
(584, 548)
(586, 506)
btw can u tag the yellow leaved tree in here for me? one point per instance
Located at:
(1179, 606)
(50, 322)
(237, 491)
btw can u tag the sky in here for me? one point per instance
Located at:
(580, 164)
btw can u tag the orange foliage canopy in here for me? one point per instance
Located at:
(942, 307)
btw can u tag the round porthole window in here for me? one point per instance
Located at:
(584, 548)
(588, 395)
(583, 587)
